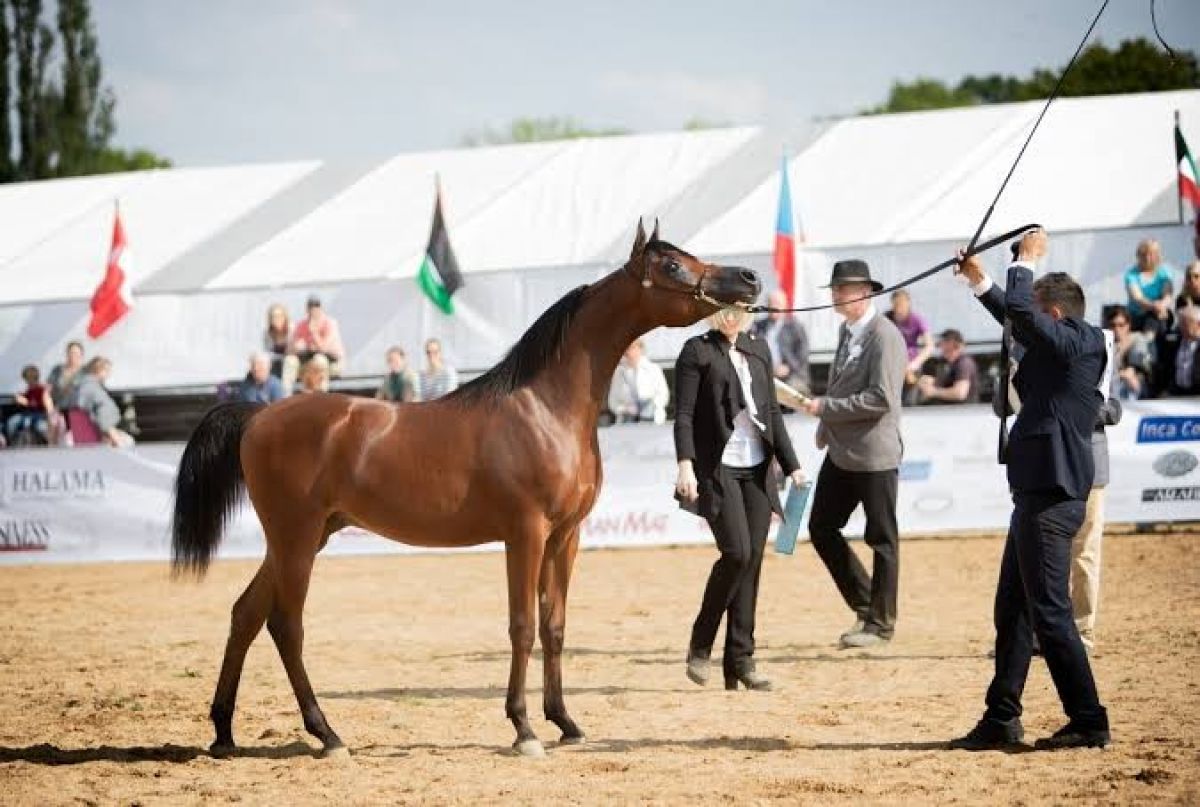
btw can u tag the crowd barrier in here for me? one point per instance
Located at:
(101, 504)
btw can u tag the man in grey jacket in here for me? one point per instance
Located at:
(860, 425)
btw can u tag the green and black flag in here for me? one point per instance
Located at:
(439, 277)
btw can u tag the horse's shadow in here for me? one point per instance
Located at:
(47, 754)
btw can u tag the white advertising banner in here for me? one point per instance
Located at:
(103, 504)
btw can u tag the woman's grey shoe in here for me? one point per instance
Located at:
(697, 667)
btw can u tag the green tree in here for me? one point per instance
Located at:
(64, 126)
(1136, 65)
(536, 130)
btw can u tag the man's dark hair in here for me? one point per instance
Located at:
(1060, 289)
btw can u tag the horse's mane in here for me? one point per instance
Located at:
(665, 246)
(532, 352)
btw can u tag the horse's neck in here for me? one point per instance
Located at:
(604, 326)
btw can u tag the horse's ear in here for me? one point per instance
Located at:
(654, 235)
(639, 241)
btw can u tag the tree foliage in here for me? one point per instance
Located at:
(536, 130)
(1137, 65)
(64, 122)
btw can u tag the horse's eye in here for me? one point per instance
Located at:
(675, 270)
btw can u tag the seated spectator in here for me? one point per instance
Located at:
(316, 334)
(1135, 364)
(639, 391)
(1185, 378)
(277, 336)
(30, 423)
(916, 338)
(93, 399)
(63, 377)
(956, 378)
(1148, 284)
(400, 383)
(788, 341)
(259, 386)
(1190, 296)
(314, 376)
(437, 378)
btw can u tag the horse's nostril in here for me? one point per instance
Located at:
(750, 277)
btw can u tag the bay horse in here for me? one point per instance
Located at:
(511, 456)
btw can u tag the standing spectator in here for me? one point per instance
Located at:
(1148, 284)
(1190, 296)
(728, 429)
(917, 341)
(639, 391)
(63, 377)
(1135, 367)
(860, 424)
(314, 376)
(1087, 544)
(316, 334)
(788, 341)
(400, 383)
(34, 407)
(956, 379)
(277, 336)
(1185, 380)
(94, 400)
(438, 378)
(259, 386)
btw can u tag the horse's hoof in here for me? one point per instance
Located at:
(222, 750)
(575, 739)
(529, 748)
(339, 752)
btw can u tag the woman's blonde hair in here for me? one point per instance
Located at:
(287, 321)
(743, 316)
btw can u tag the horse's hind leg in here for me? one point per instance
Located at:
(286, 625)
(556, 578)
(524, 560)
(249, 613)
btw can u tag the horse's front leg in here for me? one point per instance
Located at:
(524, 560)
(556, 578)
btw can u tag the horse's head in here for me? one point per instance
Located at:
(678, 288)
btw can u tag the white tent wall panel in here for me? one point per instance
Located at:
(165, 213)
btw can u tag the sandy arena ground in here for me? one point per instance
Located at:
(106, 674)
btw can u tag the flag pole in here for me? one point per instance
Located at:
(1175, 173)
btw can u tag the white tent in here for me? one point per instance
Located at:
(213, 247)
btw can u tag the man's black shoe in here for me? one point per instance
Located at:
(991, 735)
(1072, 736)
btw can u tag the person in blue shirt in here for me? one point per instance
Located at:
(1150, 289)
(259, 386)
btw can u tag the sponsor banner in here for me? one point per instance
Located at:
(97, 503)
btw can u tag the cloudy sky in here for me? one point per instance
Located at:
(227, 81)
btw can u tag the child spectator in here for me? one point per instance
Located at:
(277, 336)
(314, 377)
(34, 407)
(400, 383)
(1148, 284)
(259, 386)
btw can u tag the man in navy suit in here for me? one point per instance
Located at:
(1050, 471)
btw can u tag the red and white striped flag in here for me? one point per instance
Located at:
(113, 298)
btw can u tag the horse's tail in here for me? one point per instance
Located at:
(208, 487)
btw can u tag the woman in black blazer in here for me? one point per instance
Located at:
(727, 430)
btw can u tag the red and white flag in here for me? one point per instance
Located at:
(113, 298)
